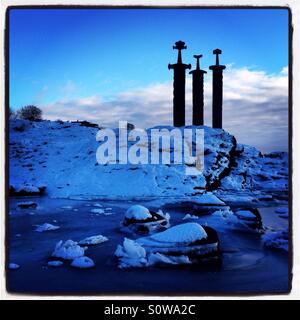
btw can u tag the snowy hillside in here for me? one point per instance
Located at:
(60, 157)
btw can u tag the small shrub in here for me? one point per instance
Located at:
(31, 113)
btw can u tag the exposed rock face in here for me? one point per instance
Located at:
(62, 156)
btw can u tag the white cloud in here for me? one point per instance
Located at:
(255, 106)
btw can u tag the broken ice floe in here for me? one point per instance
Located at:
(131, 254)
(83, 262)
(46, 227)
(139, 219)
(182, 244)
(93, 240)
(13, 266)
(68, 250)
(27, 204)
(100, 211)
(277, 240)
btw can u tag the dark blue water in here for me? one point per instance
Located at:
(247, 267)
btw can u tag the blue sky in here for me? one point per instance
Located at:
(94, 57)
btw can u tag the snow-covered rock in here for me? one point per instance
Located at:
(139, 219)
(183, 244)
(180, 234)
(13, 266)
(93, 240)
(255, 171)
(55, 263)
(83, 263)
(42, 151)
(46, 227)
(137, 212)
(68, 250)
(26, 190)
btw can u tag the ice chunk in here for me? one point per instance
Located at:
(46, 227)
(183, 233)
(67, 207)
(93, 240)
(138, 212)
(188, 216)
(13, 266)
(83, 263)
(55, 263)
(98, 205)
(68, 250)
(99, 211)
(161, 259)
(131, 254)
